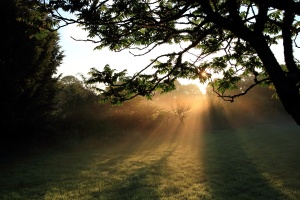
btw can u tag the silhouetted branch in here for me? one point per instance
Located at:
(232, 97)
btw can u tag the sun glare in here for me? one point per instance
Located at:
(201, 86)
(203, 74)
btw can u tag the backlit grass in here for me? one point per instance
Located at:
(184, 163)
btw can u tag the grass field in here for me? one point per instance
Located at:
(261, 162)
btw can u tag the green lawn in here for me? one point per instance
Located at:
(261, 162)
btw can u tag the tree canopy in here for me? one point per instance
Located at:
(29, 57)
(232, 38)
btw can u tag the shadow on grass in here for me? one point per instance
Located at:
(142, 183)
(230, 173)
(79, 173)
(126, 148)
(32, 176)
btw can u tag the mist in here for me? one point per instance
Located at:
(82, 116)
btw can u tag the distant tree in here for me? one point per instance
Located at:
(81, 114)
(77, 108)
(181, 110)
(73, 97)
(29, 57)
(70, 80)
(238, 35)
(189, 90)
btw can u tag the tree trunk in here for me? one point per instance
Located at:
(286, 88)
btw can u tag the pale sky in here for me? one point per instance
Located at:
(80, 56)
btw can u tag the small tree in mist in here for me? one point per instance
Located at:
(181, 110)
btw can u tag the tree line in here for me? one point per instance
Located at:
(80, 114)
(29, 58)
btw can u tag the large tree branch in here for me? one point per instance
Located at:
(261, 19)
(233, 9)
(232, 97)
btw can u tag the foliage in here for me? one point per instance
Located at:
(231, 38)
(29, 57)
(73, 96)
(76, 107)
(256, 108)
(81, 113)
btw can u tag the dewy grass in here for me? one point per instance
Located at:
(249, 163)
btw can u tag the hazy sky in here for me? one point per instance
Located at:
(80, 56)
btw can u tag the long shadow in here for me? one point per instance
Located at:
(56, 171)
(230, 173)
(120, 152)
(141, 184)
(62, 171)
(34, 175)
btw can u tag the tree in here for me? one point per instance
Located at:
(73, 97)
(181, 110)
(29, 57)
(232, 38)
